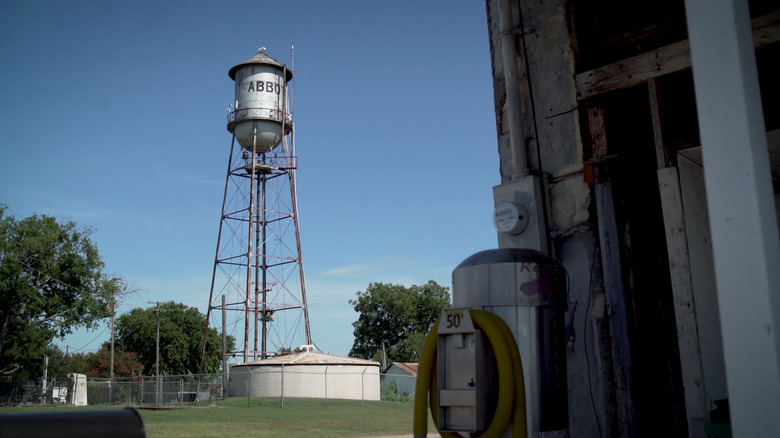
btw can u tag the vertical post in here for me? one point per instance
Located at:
(745, 243)
(251, 222)
(157, 359)
(224, 350)
(111, 375)
(282, 389)
(696, 406)
(398, 390)
(197, 391)
(609, 242)
(513, 94)
(363, 386)
(45, 377)
(264, 344)
(326, 386)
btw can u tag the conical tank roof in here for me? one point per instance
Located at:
(260, 58)
(309, 358)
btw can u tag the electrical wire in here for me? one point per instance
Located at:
(540, 166)
(90, 342)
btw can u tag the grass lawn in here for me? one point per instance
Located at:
(263, 417)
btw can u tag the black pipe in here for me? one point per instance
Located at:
(120, 423)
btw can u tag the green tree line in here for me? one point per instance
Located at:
(52, 283)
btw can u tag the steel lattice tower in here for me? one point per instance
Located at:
(258, 265)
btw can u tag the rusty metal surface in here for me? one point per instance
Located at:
(260, 58)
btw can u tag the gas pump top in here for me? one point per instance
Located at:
(497, 359)
(509, 277)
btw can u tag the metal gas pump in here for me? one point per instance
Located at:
(494, 365)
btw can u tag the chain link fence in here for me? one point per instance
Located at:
(165, 391)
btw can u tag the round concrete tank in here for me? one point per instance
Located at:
(527, 289)
(307, 374)
(259, 119)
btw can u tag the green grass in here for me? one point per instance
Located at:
(263, 417)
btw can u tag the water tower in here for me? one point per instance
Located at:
(258, 269)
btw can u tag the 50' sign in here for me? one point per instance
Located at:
(456, 321)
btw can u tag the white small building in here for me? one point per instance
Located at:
(307, 374)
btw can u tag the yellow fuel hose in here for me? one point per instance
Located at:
(510, 407)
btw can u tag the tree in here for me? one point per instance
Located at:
(397, 317)
(98, 363)
(51, 282)
(181, 339)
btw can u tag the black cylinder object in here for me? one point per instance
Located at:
(119, 423)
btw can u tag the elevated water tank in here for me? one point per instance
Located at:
(259, 119)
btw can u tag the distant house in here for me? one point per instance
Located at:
(400, 375)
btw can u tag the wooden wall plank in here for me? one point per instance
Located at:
(609, 241)
(656, 103)
(684, 307)
(668, 59)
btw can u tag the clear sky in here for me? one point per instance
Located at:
(113, 116)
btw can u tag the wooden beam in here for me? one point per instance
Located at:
(684, 306)
(609, 241)
(766, 29)
(656, 103)
(635, 70)
(668, 59)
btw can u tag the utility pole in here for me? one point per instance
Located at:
(45, 377)
(111, 377)
(157, 358)
(113, 313)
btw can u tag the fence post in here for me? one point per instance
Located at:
(326, 385)
(248, 385)
(282, 386)
(363, 386)
(398, 389)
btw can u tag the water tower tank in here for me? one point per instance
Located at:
(259, 119)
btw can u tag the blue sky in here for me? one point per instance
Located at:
(113, 115)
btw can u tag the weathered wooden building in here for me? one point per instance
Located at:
(647, 129)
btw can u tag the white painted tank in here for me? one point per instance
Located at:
(307, 374)
(259, 118)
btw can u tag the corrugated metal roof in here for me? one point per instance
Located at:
(310, 358)
(409, 367)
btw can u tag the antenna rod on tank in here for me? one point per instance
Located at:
(292, 94)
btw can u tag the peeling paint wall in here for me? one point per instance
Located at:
(552, 135)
